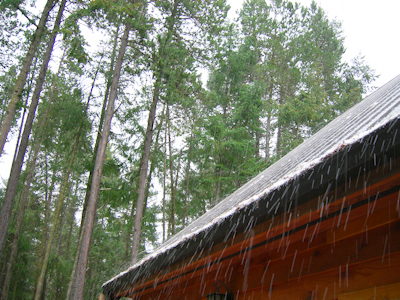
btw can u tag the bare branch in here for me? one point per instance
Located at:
(24, 13)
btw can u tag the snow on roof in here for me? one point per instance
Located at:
(375, 111)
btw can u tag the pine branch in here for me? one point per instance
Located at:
(25, 14)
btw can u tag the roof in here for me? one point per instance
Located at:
(368, 127)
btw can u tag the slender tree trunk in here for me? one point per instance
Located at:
(280, 129)
(137, 230)
(279, 141)
(187, 181)
(71, 221)
(268, 127)
(78, 274)
(65, 240)
(47, 212)
(217, 184)
(128, 240)
(164, 185)
(56, 221)
(57, 218)
(144, 164)
(257, 144)
(23, 74)
(152, 163)
(63, 216)
(100, 127)
(148, 181)
(43, 296)
(24, 203)
(18, 211)
(268, 137)
(47, 221)
(24, 112)
(17, 164)
(49, 188)
(171, 175)
(21, 127)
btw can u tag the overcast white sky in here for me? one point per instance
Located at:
(371, 28)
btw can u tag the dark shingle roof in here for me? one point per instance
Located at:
(374, 112)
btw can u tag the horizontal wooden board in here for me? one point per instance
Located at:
(383, 292)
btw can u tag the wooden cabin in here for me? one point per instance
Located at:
(321, 223)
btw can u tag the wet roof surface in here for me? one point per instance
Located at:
(375, 111)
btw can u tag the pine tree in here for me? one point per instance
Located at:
(17, 164)
(21, 79)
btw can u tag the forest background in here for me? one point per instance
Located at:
(120, 145)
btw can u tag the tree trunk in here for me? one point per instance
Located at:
(187, 181)
(218, 174)
(47, 212)
(58, 220)
(281, 101)
(78, 274)
(17, 164)
(164, 186)
(30, 82)
(100, 127)
(137, 230)
(21, 127)
(144, 164)
(268, 137)
(171, 175)
(64, 189)
(23, 74)
(268, 126)
(24, 203)
(148, 181)
(71, 222)
(257, 136)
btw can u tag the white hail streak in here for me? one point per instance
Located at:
(298, 170)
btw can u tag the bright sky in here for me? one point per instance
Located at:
(371, 29)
